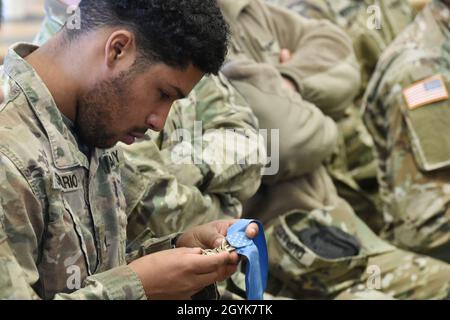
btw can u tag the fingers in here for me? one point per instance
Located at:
(185, 250)
(215, 237)
(218, 275)
(226, 272)
(252, 230)
(224, 225)
(218, 241)
(206, 270)
(234, 258)
(285, 55)
(208, 264)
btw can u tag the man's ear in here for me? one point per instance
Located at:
(120, 49)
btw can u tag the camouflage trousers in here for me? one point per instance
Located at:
(403, 275)
(311, 219)
(418, 217)
(396, 274)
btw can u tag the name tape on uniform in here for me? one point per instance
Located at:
(66, 181)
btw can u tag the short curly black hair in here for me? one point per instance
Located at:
(175, 32)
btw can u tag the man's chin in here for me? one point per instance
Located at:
(110, 142)
(128, 139)
(104, 144)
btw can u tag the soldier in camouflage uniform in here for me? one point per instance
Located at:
(406, 112)
(353, 168)
(62, 209)
(315, 190)
(204, 185)
(307, 139)
(290, 96)
(337, 263)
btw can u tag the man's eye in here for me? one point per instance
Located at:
(163, 95)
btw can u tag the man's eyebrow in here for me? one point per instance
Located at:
(180, 93)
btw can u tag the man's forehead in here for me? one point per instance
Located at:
(183, 80)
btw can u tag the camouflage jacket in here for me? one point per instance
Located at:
(62, 217)
(412, 141)
(199, 168)
(359, 19)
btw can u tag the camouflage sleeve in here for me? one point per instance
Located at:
(306, 136)
(412, 147)
(323, 64)
(21, 227)
(225, 143)
(207, 160)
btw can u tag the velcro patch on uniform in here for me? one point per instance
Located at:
(66, 181)
(425, 92)
(110, 161)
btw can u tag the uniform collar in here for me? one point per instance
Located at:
(64, 148)
(233, 8)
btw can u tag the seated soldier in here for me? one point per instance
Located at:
(371, 25)
(62, 208)
(321, 69)
(313, 189)
(168, 197)
(406, 111)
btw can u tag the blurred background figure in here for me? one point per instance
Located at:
(372, 25)
(56, 15)
(418, 4)
(21, 22)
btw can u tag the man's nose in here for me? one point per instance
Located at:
(156, 122)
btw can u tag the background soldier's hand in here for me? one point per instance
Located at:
(182, 272)
(210, 235)
(285, 56)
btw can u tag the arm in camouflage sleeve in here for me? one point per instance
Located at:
(307, 136)
(178, 184)
(323, 64)
(412, 145)
(230, 156)
(21, 227)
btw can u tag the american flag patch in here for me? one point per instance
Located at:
(425, 92)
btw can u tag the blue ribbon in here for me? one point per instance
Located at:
(255, 250)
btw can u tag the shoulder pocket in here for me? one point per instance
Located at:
(429, 131)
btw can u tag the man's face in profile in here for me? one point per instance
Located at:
(125, 107)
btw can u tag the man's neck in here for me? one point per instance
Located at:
(55, 71)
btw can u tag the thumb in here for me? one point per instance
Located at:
(218, 241)
(285, 55)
